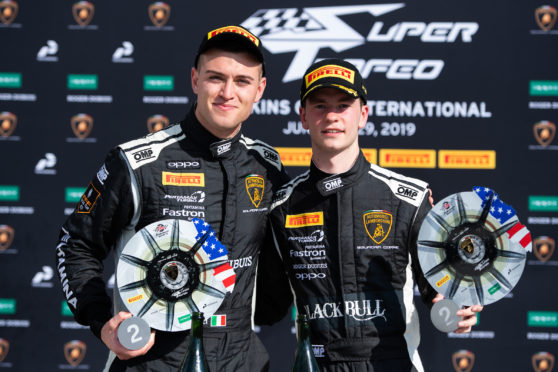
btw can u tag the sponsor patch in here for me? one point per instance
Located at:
(255, 185)
(183, 179)
(377, 225)
(407, 192)
(102, 174)
(135, 298)
(88, 199)
(183, 164)
(236, 30)
(143, 154)
(442, 281)
(329, 71)
(304, 219)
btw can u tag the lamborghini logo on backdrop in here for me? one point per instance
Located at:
(82, 125)
(8, 122)
(74, 351)
(83, 12)
(544, 132)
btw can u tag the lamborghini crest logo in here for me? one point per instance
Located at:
(8, 122)
(255, 186)
(83, 12)
(6, 237)
(463, 361)
(4, 348)
(544, 248)
(377, 225)
(82, 125)
(74, 351)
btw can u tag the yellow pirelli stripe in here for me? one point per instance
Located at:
(236, 30)
(404, 158)
(442, 281)
(467, 159)
(330, 71)
(135, 298)
(304, 219)
(301, 156)
(183, 179)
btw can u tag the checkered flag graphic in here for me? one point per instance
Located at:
(270, 21)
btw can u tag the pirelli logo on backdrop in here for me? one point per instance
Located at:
(403, 158)
(183, 179)
(467, 159)
(330, 71)
(295, 156)
(304, 219)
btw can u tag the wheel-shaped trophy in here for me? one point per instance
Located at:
(472, 250)
(168, 270)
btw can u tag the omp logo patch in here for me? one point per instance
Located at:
(407, 192)
(143, 154)
(304, 219)
(183, 179)
(377, 225)
(255, 185)
(333, 184)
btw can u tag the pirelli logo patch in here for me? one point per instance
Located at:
(304, 219)
(183, 179)
(377, 225)
(330, 71)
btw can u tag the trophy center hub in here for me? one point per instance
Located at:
(174, 275)
(471, 249)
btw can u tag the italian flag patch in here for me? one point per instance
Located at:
(218, 320)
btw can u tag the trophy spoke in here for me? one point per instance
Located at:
(496, 233)
(175, 235)
(147, 306)
(435, 244)
(150, 242)
(199, 243)
(461, 210)
(486, 209)
(478, 289)
(510, 254)
(134, 285)
(455, 285)
(440, 221)
(501, 278)
(170, 315)
(134, 260)
(212, 265)
(442, 265)
(191, 304)
(210, 290)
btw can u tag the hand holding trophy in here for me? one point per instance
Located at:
(472, 250)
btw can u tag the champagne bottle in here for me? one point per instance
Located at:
(194, 360)
(304, 360)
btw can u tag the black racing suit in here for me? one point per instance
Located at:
(180, 172)
(348, 245)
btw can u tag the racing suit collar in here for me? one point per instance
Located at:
(328, 184)
(204, 141)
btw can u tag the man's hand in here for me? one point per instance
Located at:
(469, 315)
(109, 335)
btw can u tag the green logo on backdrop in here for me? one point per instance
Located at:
(7, 306)
(9, 193)
(184, 318)
(10, 80)
(152, 82)
(543, 203)
(542, 319)
(543, 88)
(87, 82)
(73, 194)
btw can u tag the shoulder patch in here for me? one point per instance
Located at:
(147, 149)
(283, 194)
(267, 152)
(408, 189)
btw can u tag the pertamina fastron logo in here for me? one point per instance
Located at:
(308, 30)
(8, 123)
(542, 361)
(183, 179)
(74, 351)
(546, 17)
(159, 13)
(304, 219)
(7, 234)
(467, 159)
(377, 224)
(81, 124)
(157, 122)
(463, 361)
(403, 158)
(544, 132)
(255, 186)
(543, 247)
(83, 12)
(8, 11)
